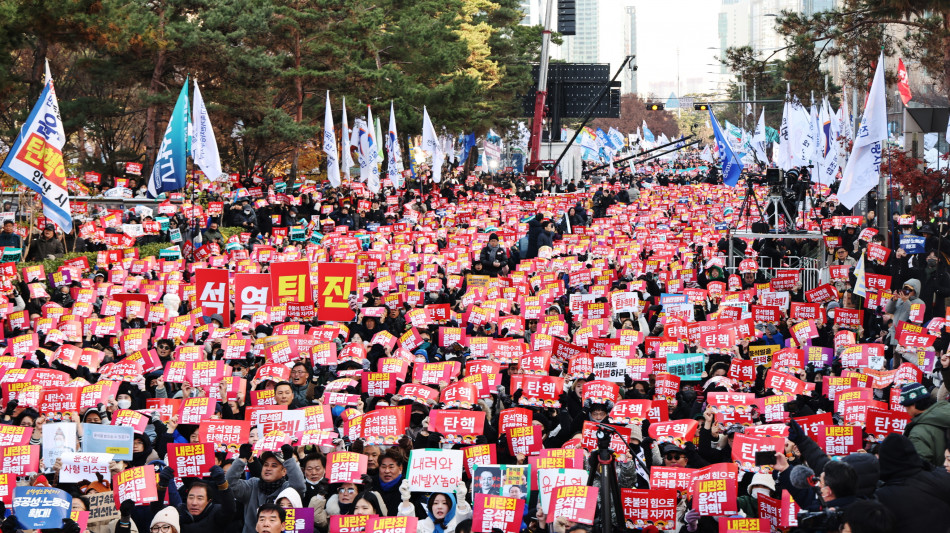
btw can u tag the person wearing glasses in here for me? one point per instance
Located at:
(342, 501)
(166, 521)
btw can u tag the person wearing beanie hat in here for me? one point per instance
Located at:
(930, 421)
(916, 493)
(493, 257)
(166, 521)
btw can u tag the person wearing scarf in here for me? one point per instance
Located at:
(444, 511)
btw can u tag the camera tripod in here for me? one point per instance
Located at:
(775, 205)
(603, 467)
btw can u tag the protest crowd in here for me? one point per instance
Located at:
(452, 358)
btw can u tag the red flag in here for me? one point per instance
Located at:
(903, 85)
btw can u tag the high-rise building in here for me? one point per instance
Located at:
(734, 30)
(533, 13)
(629, 81)
(584, 46)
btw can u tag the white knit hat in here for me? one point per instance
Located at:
(168, 515)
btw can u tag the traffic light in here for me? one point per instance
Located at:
(567, 17)
(701, 107)
(654, 107)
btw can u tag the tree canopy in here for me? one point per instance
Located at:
(264, 67)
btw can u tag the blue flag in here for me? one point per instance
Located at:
(36, 159)
(731, 165)
(468, 142)
(169, 172)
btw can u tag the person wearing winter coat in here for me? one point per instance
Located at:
(899, 306)
(445, 511)
(277, 474)
(917, 494)
(930, 421)
(200, 513)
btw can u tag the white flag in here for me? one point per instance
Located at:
(347, 159)
(432, 146)
(827, 165)
(369, 154)
(759, 138)
(784, 157)
(204, 148)
(394, 154)
(863, 170)
(329, 146)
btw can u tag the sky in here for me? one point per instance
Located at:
(662, 27)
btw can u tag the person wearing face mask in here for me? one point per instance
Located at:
(761, 484)
(934, 282)
(314, 472)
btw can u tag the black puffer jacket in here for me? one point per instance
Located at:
(918, 497)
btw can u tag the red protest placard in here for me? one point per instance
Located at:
(252, 293)
(744, 448)
(384, 425)
(290, 282)
(715, 497)
(497, 512)
(479, 455)
(20, 459)
(335, 281)
(7, 484)
(636, 411)
(882, 422)
(645, 507)
(348, 523)
(457, 426)
(670, 477)
(840, 440)
(194, 410)
(525, 440)
(744, 525)
(191, 460)
(514, 417)
(228, 432)
(577, 503)
(211, 287)
(133, 419)
(345, 467)
(679, 432)
(136, 484)
(392, 524)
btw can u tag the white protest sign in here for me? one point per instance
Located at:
(78, 466)
(624, 302)
(610, 368)
(434, 470)
(549, 478)
(59, 438)
(287, 421)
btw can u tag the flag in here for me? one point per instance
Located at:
(903, 84)
(647, 134)
(379, 138)
(588, 139)
(731, 166)
(329, 146)
(204, 148)
(347, 156)
(759, 138)
(431, 145)
(394, 163)
(467, 144)
(862, 172)
(860, 287)
(827, 167)
(369, 153)
(169, 172)
(707, 155)
(36, 159)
